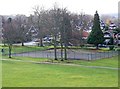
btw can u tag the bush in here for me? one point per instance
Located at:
(111, 47)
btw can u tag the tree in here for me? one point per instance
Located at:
(117, 30)
(96, 36)
(55, 26)
(10, 33)
(111, 43)
(21, 28)
(67, 31)
(79, 24)
(63, 23)
(60, 27)
(41, 22)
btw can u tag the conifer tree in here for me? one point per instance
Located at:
(96, 36)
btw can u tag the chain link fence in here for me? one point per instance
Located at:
(71, 54)
(92, 55)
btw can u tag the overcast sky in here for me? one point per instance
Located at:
(12, 7)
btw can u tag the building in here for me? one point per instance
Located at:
(112, 26)
(33, 33)
(107, 36)
(85, 34)
(118, 39)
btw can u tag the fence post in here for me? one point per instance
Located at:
(47, 56)
(95, 55)
(50, 55)
(104, 54)
(100, 55)
(74, 55)
(91, 55)
(108, 54)
(117, 52)
(88, 56)
(113, 53)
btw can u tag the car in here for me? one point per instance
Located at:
(102, 45)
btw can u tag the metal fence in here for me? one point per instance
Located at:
(71, 54)
(92, 55)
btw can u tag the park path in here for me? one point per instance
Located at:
(70, 64)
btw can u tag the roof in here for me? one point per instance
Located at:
(85, 34)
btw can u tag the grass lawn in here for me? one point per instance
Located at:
(106, 62)
(0, 72)
(24, 74)
(20, 49)
(109, 62)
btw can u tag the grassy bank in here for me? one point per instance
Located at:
(25, 74)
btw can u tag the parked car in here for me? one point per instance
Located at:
(102, 45)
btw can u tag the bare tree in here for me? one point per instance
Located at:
(61, 26)
(21, 28)
(41, 22)
(10, 33)
(54, 13)
(67, 31)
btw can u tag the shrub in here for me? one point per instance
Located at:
(111, 47)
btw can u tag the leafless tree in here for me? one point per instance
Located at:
(10, 33)
(61, 27)
(21, 22)
(41, 18)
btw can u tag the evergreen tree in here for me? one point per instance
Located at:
(96, 36)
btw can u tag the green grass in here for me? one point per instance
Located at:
(106, 62)
(22, 74)
(109, 62)
(26, 58)
(0, 72)
(20, 49)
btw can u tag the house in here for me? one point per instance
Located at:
(33, 33)
(102, 25)
(112, 26)
(85, 34)
(107, 36)
(118, 39)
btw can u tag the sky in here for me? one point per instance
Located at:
(13, 7)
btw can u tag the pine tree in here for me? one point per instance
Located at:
(96, 36)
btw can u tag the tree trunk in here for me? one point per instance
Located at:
(22, 43)
(97, 46)
(81, 40)
(61, 50)
(3, 42)
(55, 47)
(41, 42)
(65, 51)
(65, 44)
(10, 49)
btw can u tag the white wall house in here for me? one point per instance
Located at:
(107, 36)
(118, 39)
